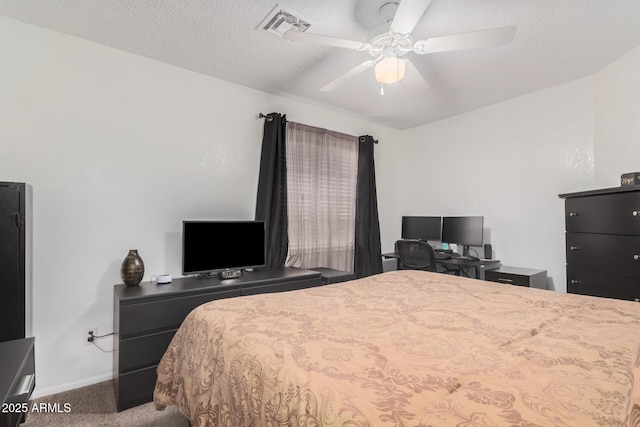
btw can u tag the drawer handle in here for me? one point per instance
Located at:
(26, 384)
(636, 257)
(574, 248)
(635, 213)
(576, 282)
(573, 214)
(502, 279)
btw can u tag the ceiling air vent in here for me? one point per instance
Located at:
(280, 20)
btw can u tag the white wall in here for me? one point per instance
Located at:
(617, 126)
(119, 150)
(507, 162)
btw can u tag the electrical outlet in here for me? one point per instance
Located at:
(86, 337)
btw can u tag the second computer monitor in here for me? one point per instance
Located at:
(463, 230)
(422, 227)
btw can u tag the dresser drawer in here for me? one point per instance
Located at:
(164, 314)
(617, 213)
(144, 351)
(135, 388)
(613, 254)
(585, 281)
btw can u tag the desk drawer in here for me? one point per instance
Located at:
(510, 279)
(617, 213)
(518, 276)
(164, 314)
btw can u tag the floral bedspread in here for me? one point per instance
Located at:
(404, 348)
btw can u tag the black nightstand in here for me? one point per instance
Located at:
(17, 380)
(518, 276)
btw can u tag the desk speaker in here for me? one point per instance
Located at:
(487, 251)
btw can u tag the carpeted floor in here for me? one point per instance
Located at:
(95, 406)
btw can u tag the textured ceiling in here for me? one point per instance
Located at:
(556, 41)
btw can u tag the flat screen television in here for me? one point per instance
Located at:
(210, 246)
(463, 230)
(422, 227)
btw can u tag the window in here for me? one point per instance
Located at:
(321, 191)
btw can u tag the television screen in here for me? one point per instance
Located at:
(421, 227)
(208, 246)
(463, 230)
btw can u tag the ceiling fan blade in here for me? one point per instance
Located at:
(472, 40)
(324, 40)
(348, 76)
(413, 70)
(408, 14)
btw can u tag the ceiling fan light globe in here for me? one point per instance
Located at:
(390, 70)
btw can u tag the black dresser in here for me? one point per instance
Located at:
(147, 317)
(603, 242)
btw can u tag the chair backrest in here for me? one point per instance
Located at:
(416, 255)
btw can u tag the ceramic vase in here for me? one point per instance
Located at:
(132, 269)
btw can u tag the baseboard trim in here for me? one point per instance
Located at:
(38, 393)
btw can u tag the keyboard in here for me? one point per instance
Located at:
(442, 255)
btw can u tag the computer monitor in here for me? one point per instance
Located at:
(463, 230)
(422, 227)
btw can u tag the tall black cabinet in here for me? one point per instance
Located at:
(15, 260)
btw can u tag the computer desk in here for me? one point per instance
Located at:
(457, 263)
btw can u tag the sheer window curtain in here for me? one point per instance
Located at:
(322, 171)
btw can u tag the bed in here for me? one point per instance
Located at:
(406, 348)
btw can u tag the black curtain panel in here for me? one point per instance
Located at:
(367, 257)
(271, 202)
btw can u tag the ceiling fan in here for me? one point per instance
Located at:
(389, 46)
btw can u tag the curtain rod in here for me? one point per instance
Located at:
(375, 141)
(269, 118)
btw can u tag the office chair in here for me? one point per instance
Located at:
(416, 255)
